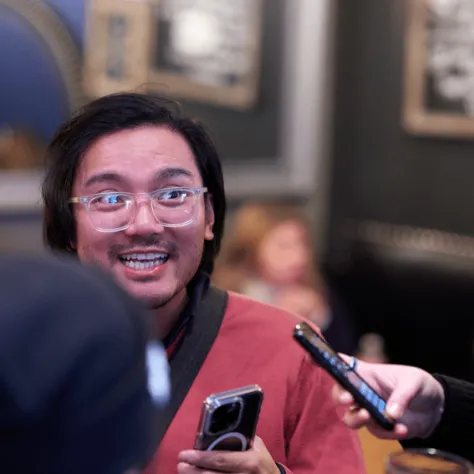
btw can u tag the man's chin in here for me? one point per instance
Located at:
(156, 302)
(151, 300)
(147, 293)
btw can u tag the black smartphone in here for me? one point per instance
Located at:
(229, 419)
(324, 355)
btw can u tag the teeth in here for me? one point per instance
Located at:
(144, 261)
(143, 265)
(144, 256)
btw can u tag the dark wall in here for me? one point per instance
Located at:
(422, 304)
(380, 171)
(33, 96)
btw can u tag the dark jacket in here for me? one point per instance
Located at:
(74, 392)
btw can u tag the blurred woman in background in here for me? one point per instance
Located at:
(269, 255)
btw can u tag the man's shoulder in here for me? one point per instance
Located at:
(251, 311)
(264, 330)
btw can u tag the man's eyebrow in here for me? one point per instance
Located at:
(172, 173)
(104, 178)
(116, 178)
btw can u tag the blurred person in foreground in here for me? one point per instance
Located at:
(269, 255)
(75, 395)
(431, 411)
(135, 186)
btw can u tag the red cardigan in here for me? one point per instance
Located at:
(298, 422)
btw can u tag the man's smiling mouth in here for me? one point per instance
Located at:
(144, 260)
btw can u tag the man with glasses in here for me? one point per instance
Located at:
(136, 187)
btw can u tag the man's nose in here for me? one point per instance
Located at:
(145, 221)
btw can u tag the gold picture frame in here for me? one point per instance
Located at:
(436, 100)
(133, 45)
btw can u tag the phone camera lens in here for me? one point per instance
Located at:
(225, 418)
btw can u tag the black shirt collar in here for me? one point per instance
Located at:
(196, 290)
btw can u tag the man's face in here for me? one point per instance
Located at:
(142, 160)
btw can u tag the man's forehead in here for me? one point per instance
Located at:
(154, 143)
(161, 175)
(150, 153)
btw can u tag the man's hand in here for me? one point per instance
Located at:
(256, 460)
(415, 400)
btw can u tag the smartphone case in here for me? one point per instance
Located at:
(229, 419)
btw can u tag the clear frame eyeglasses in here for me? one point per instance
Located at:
(116, 211)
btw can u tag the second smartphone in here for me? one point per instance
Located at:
(229, 419)
(325, 356)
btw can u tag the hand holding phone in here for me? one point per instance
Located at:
(324, 355)
(229, 419)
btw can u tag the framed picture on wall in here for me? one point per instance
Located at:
(265, 97)
(204, 50)
(439, 68)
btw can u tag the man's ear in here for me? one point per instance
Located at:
(210, 218)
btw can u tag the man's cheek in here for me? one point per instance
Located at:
(96, 252)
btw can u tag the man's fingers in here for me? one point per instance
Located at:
(347, 359)
(355, 418)
(258, 444)
(358, 418)
(184, 468)
(401, 397)
(399, 432)
(222, 461)
(341, 396)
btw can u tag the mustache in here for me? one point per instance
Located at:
(142, 242)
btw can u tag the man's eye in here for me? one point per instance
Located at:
(112, 199)
(173, 194)
(177, 195)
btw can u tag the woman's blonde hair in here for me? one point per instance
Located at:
(250, 225)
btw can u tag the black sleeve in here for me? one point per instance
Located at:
(455, 432)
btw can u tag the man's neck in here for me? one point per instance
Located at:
(167, 316)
